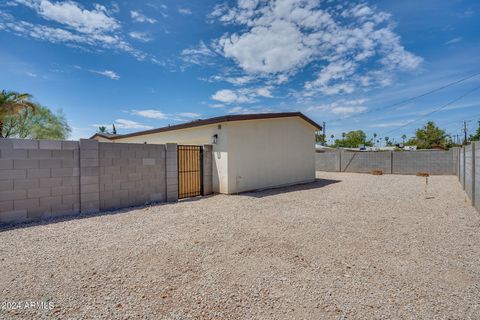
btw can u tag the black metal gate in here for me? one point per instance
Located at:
(190, 171)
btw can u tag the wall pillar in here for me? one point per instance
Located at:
(207, 170)
(89, 177)
(171, 158)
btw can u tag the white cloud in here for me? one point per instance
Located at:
(150, 113)
(355, 43)
(348, 110)
(244, 95)
(137, 16)
(140, 36)
(185, 11)
(107, 73)
(243, 110)
(341, 107)
(129, 124)
(217, 105)
(159, 115)
(76, 17)
(197, 55)
(453, 41)
(390, 124)
(230, 96)
(189, 115)
(78, 27)
(31, 74)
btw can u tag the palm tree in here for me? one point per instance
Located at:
(102, 129)
(12, 103)
(404, 136)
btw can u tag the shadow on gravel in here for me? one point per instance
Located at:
(318, 183)
(21, 225)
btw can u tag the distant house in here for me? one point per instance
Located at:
(250, 152)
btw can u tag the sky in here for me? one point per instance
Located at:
(153, 63)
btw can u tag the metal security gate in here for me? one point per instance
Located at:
(190, 171)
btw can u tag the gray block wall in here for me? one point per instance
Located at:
(327, 161)
(402, 162)
(131, 174)
(207, 169)
(432, 162)
(171, 172)
(476, 200)
(38, 179)
(43, 179)
(469, 171)
(461, 162)
(366, 161)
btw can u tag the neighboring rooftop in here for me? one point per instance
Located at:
(203, 122)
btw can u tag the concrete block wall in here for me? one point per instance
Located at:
(207, 169)
(461, 162)
(131, 174)
(476, 175)
(171, 172)
(402, 162)
(468, 184)
(366, 161)
(469, 172)
(433, 162)
(38, 179)
(327, 161)
(43, 179)
(89, 177)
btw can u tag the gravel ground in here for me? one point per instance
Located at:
(350, 246)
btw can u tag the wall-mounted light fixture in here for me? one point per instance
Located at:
(214, 139)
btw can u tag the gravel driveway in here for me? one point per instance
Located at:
(350, 246)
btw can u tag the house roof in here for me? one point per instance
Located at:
(104, 135)
(203, 122)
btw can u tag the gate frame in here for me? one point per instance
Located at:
(201, 171)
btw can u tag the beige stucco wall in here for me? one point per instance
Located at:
(250, 154)
(196, 136)
(268, 153)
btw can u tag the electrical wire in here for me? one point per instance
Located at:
(412, 98)
(434, 111)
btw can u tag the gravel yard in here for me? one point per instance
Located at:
(350, 246)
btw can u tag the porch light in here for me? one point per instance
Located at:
(214, 139)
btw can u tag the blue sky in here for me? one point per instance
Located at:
(145, 64)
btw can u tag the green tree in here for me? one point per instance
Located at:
(430, 136)
(12, 104)
(102, 129)
(476, 136)
(114, 130)
(352, 139)
(404, 137)
(41, 124)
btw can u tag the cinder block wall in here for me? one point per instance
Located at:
(43, 179)
(468, 171)
(38, 179)
(327, 161)
(366, 161)
(433, 162)
(476, 200)
(462, 167)
(407, 162)
(131, 174)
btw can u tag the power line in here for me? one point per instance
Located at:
(412, 98)
(436, 110)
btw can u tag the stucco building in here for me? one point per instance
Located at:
(250, 152)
